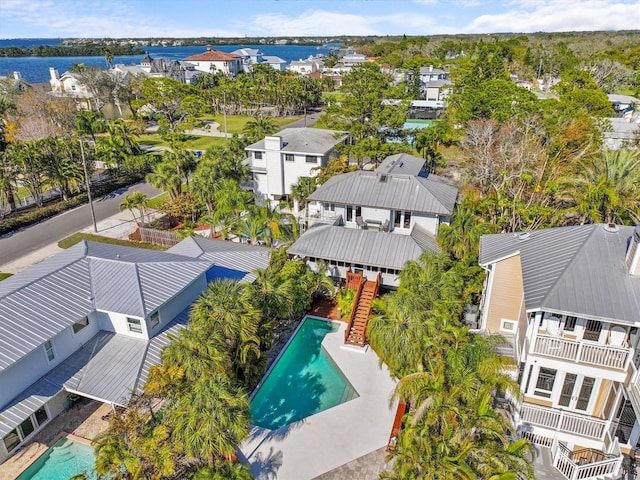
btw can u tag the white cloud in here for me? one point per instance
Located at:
(555, 16)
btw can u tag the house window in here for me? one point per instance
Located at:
(257, 155)
(508, 325)
(41, 416)
(407, 219)
(134, 325)
(544, 384)
(11, 440)
(26, 428)
(48, 348)
(155, 320)
(570, 324)
(349, 213)
(80, 324)
(329, 207)
(311, 159)
(397, 219)
(288, 157)
(358, 211)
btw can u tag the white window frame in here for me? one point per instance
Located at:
(508, 325)
(131, 320)
(257, 155)
(46, 351)
(537, 390)
(289, 157)
(311, 159)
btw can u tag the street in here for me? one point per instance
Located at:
(27, 240)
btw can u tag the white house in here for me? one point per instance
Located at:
(213, 61)
(69, 85)
(376, 221)
(253, 56)
(568, 301)
(92, 320)
(278, 161)
(307, 66)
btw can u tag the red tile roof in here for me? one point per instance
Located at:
(213, 56)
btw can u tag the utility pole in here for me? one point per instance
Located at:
(86, 178)
(224, 112)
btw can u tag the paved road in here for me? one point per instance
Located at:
(23, 242)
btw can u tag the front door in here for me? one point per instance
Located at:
(576, 392)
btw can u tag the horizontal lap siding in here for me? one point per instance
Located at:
(506, 293)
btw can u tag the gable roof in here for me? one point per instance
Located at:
(229, 259)
(389, 191)
(402, 163)
(40, 302)
(378, 249)
(579, 270)
(305, 140)
(212, 56)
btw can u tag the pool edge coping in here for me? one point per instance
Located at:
(55, 440)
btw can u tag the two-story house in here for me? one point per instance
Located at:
(92, 320)
(213, 61)
(253, 56)
(568, 301)
(376, 221)
(69, 85)
(277, 162)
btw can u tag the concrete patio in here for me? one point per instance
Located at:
(330, 439)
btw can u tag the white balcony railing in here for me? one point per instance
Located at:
(563, 421)
(583, 352)
(574, 469)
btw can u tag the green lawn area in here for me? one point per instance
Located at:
(155, 202)
(71, 240)
(4, 275)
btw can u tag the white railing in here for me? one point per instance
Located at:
(562, 460)
(583, 352)
(563, 421)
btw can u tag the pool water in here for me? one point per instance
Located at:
(62, 461)
(304, 381)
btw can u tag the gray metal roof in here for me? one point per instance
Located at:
(402, 163)
(305, 140)
(389, 191)
(105, 368)
(232, 256)
(378, 249)
(578, 270)
(37, 304)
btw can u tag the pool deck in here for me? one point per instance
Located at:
(332, 438)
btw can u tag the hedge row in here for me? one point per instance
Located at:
(34, 216)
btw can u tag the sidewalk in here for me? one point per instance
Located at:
(119, 226)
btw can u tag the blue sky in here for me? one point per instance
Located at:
(211, 18)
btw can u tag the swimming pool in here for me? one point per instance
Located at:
(304, 380)
(61, 461)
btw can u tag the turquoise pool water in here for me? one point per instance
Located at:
(62, 461)
(304, 381)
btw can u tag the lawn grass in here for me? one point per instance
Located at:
(155, 202)
(71, 240)
(4, 275)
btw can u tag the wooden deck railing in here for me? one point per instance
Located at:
(397, 424)
(354, 309)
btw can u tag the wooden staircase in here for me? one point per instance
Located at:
(366, 291)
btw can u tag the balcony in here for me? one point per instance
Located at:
(596, 354)
(564, 421)
(587, 463)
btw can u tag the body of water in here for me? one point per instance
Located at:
(36, 69)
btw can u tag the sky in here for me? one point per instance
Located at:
(272, 18)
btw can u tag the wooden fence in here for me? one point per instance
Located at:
(158, 237)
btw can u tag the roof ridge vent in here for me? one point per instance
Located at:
(382, 178)
(611, 227)
(523, 235)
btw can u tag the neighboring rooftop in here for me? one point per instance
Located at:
(40, 302)
(305, 140)
(363, 247)
(404, 192)
(402, 163)
(579, 269)
(212, 56)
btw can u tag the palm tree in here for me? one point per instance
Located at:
(605, 188)
(165, 177)
(210, 419)
(258, 128)
(462, 237)
(137, 200)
